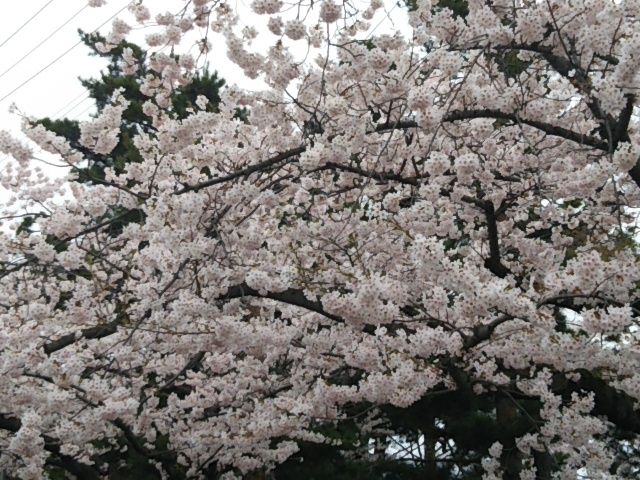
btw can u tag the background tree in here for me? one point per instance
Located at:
(134, 120)
(411, 259)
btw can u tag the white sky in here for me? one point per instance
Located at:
(57, 90)
(57, 86)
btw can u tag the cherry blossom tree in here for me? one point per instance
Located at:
(415, 252)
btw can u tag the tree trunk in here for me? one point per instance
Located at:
(511, 458)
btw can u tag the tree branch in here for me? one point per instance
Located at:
(493, 263)
(98, 331)
(281, 157)
(66, 462)
(290, 296)
(542, 126)
(385, 176)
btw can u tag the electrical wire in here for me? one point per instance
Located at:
(91, 103)
(77, 117)
(66, 108)
(387, 16)
(42, 42)
(61, 55)
(26, 23)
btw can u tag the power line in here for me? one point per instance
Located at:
(26, 23)
(65, 108)
(61, 55)
(77, 117)
(82, 94)
(42, 42)
(91, 104)
(386, 17)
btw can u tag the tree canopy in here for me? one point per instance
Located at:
(411, 255)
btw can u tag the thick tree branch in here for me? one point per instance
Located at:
(621, 131)
(290, 296)
(381, 176)
(547, 128)
(494, 263)
(482, 333)
(290, 155)
(66, 462)
(286, 157)
(90, 333)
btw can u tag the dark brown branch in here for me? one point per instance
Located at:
(482, 333)
(58, 459)
(621, 131)
(621, 134)
(493, 263)
(193, 363)
(617, 130)
(634, 173)
(588, 299)
(9, 423)
(137, 445)
(547, 51)
(458, 115)
(289, 155)
(398, 125)
(542, 126)
(98, 331)
(290, 296)
(386, 176)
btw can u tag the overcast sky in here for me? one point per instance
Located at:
(57, 86)
(56, 90)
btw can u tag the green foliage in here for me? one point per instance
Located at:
(26, 224)
(56, 473)
(509, 63)
(134, 120)
(460, 8)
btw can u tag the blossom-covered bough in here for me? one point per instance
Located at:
(445, 213)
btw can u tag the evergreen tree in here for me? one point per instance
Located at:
(134, 120)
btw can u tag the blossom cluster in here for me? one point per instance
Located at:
(398, 217)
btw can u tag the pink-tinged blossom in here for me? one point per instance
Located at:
(330, 11)
(101, 135)
(401, 218)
